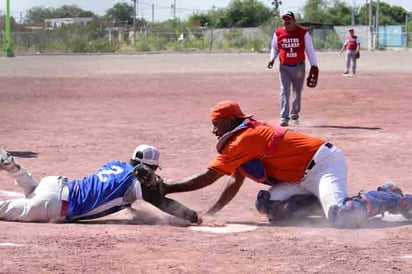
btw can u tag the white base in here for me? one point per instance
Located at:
(229, 228)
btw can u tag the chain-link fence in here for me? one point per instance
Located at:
(81, 39)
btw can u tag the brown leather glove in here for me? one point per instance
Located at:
(312, 79)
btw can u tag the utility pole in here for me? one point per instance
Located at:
(353, 12)
(7, 48)
(406, 30)
(174, 10)
(377, 24)
(134, 20)
(152, 13)
(370, 26)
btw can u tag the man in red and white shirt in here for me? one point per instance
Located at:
(291, 42)
(352, 46)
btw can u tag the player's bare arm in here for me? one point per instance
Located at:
(193, 183)
(232, 187)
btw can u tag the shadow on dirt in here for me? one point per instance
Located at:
(312, 222)
(322, 222)
(24, 154)
(348, 127)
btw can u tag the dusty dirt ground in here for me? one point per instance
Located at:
(70, 114)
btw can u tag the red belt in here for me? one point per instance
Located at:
(63, 211)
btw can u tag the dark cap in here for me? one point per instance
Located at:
(289, 15)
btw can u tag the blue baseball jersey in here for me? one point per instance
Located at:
(101, 193)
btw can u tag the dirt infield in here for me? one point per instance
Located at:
(70, 114)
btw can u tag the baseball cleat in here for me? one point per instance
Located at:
(6, 160)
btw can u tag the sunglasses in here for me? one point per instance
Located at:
(287, 23)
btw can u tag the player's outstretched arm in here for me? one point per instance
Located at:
(232, 187)
(193, 183)
(169, 206)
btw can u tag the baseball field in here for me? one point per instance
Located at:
(68, 115)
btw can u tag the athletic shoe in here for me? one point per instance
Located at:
(295, 119)
(284, 123)
(6, 160)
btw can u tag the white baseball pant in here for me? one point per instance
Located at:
(42, 202)
(326, 179)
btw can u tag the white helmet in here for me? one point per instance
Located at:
(146, 154)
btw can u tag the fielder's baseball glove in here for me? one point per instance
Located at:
(357, 56)
(312, 79)
(147, 177)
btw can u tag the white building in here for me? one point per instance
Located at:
(58, 22)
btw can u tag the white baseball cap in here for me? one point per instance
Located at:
(146, 154)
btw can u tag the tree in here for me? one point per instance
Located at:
(247, 13)
(239, 13)
(218, 18)
(36, 15)
(388, 15)
(121, 13)
(314, 11)
(71, 11)
(338, 14)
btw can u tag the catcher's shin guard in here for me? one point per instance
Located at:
(406, 206)
(349, 215)
(357, 209)
(379, 202)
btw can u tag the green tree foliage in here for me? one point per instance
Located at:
(36, 15)
(219, 18)
(121, 14)
(388, 15)
(239, 13)
(314, 11)
(247, 13)
(340, 13)
(71, 11)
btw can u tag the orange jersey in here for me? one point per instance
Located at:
(287, 162)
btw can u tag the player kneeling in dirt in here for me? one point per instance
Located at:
(302, 171)
(115, 186)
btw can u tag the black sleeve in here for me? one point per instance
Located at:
(169, 206)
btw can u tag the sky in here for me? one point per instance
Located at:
(162, 8)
